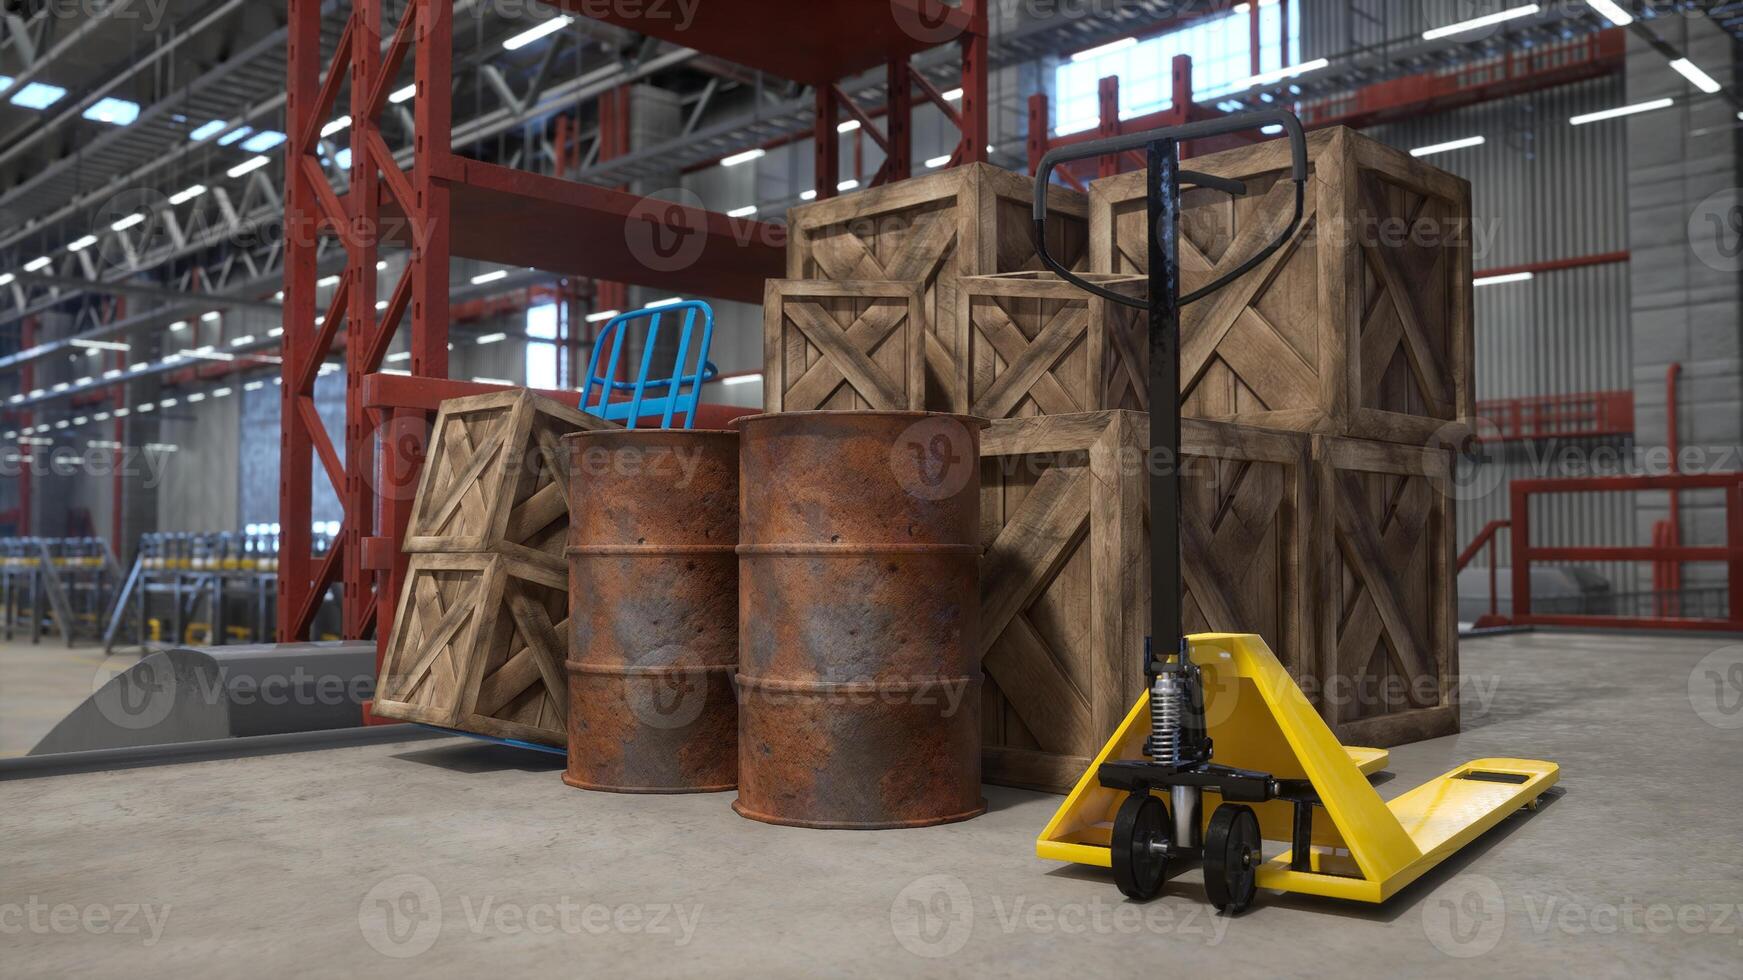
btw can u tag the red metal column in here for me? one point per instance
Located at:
(975, 131)
(1108, 109)
(296, 444)
(828, 168)
(900, 123)
(358, 496)
(1519, 508)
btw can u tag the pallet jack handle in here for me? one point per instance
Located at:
(1191, 131)
(1165, 650)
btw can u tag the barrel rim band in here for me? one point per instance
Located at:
(856, 550)
(647, 550)
(617, 670)
(749, 683)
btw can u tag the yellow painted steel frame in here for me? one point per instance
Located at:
(1364, 849)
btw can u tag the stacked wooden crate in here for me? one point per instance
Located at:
(480, 636)
(1316, 391)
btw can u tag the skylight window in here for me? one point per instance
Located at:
(115, 112)
(207, 131)
(38, 95)
(262, 141)
(232, 136)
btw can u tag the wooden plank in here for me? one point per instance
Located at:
(1311, 294)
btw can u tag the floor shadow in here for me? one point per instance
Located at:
(477, 757)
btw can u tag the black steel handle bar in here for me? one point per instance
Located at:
(1191, 131)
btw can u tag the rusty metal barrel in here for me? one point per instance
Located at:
(859, 612)
(653, 611)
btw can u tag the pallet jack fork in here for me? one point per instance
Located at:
(1222, 722)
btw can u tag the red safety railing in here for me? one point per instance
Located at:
(1489, 537)
(1730, 553)
(1578, 416)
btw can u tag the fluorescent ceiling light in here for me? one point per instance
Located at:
(211, 317)
(404, 94)
(1477, 23)
(1627, 110)
(209, 354)
(493, 381)
(498, 275)
(1510, 277)
(38, 95)
(8, 279)
(242, 341)
(491, 338)
(603, 315)
(128, 222)
(179, 325)
(1093, 53)
(936, 162)
(248, 166)
(62, 386)
(122, 413)
(1699, 79)
(342, 159)
(80, 244)
(38, 264)
(847, 185)
(335, 126)
(207, 131)
(807, 195)
(1278, 75)
(183, 197)
(196, 398)
(100, 344)
(953, 95)
(744, 212)
(84, 381)
(221, 393)
(527, 37)
(1612, 11)
(6, 82)
(1423, 151)
(848, 127)
(254, 386)
(264, 140)
(745, 157)
(275, 332)
(396, 372)
(328, 282)
(668, 301)
(404, 355)
(167, 403)
(743, 379)
(240, 132)
(115, 112)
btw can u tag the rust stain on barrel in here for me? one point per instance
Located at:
(653, 595)
(859, 680)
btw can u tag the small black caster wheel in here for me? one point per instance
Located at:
(1140, 846)
(1231, 858)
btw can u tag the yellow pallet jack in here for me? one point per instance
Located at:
(1224, 753)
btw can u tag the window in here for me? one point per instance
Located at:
(1221, 50)
(542, 359)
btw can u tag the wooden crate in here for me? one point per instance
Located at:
(1034, 344)
(1065, 582)
(1389, 595)
(843, 346)
(967, 221)
(1360, 327)
(478, 645)
(496, 478)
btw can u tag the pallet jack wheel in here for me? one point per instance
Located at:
(1231, 858)
(1140, 846)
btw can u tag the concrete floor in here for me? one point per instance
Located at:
(453, 858)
